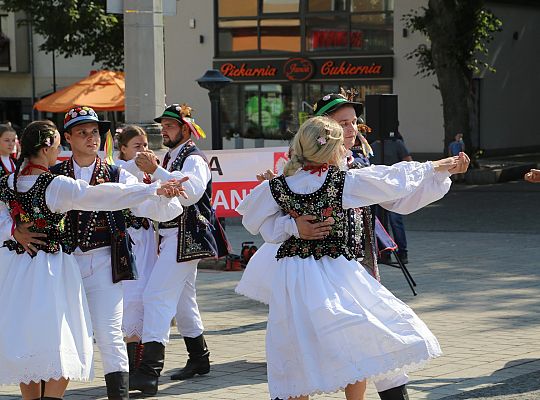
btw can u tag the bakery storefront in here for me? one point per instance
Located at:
(283, 55)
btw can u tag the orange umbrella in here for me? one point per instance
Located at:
(102, 90)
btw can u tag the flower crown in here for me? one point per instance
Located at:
(45, 138)
(326, 136)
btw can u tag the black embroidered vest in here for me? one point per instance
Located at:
(195, 238)
(4, 169)
(135, 222)
(33, 208)
(90, 229)
(323, 203)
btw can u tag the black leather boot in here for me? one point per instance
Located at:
(132, 356)
(397, 393)
(117, 385)
(146, 376)
(198, 361)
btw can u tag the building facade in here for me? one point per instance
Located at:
(284, 54)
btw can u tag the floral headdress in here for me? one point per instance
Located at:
(325, 136)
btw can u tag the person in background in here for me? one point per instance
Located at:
(454, 148)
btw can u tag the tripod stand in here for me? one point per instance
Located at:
(386, 243)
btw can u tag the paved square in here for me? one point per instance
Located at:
(475, 256)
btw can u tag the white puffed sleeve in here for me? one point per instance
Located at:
(259, 213)
(64, 194)
(279, 228)
(403, 187)
(198, 172)
(5, 223)
(157, 208)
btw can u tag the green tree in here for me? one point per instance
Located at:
(75, 27)
(459, 32)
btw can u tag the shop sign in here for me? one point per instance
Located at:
(302, 69)
(298, 69)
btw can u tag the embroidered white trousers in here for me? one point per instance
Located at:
(105, 302)
(171, 291)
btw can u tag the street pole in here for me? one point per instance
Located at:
(217, 139)
(213, 80)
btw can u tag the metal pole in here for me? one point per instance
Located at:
(217, 141)
(54, 71)
(32, 70)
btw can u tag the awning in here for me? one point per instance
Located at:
(102, 90)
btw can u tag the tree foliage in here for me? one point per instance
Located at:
(465, 32)
(458, 33)
(75, 27)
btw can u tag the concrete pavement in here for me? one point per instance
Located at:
(475, 256)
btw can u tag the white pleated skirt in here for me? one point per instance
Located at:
(45, 328)
(331, 324)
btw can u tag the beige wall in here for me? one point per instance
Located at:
(419, 103)
(186, 59)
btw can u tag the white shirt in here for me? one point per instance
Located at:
(65, 194)
(195, 168)
(403, 188)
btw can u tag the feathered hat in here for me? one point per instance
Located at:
(182, 114)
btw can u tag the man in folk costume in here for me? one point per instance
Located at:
(91, 235)
(184, 241)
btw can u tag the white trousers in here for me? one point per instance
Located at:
(391, 382)
(105, 302)
(171, 291)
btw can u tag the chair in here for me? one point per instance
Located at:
(385, 243)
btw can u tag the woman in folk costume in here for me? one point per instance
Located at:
(331, 325)
(8, 140)
(132, 140)
(52, 338)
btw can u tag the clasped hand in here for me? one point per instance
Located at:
(454, 165)
(173, 188)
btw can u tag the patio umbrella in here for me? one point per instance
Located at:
(102, 90)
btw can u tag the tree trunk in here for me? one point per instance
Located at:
(454, 78)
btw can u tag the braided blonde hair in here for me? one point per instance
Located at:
(319, 140)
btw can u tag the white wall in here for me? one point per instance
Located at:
(419, 103)
(186, 59)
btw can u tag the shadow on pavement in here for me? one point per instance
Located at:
(525, 386)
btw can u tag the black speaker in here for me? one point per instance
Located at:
(382, 115)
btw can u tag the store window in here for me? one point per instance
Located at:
(261, 27)
(266, 115)
(280, 6)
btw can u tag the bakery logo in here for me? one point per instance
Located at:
(298, 69)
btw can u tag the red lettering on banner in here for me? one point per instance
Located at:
(227, 195)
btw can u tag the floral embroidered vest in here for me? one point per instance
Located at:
(30, 206)
(90, 230)
(323, 203)
(195, 232)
